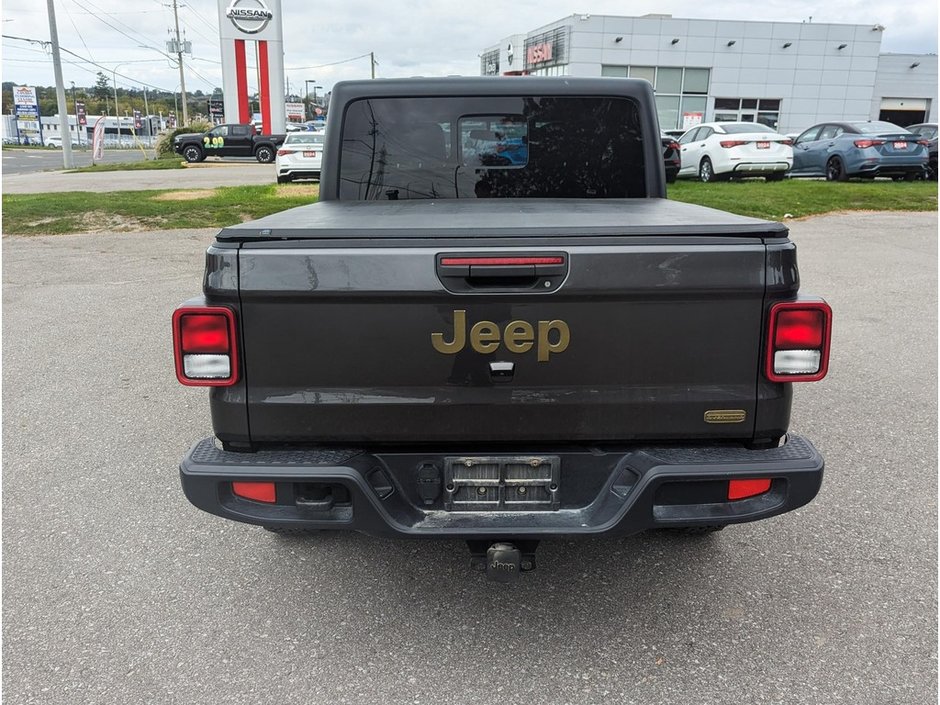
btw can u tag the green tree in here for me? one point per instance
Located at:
(102, 88)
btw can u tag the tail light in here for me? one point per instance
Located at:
(788, 142)
(673, 146)
(923, 143)
(728, 144)
(798, 341)
(865, 144)
(204, 346)
(284, 152)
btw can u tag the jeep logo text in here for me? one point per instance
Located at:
(517, 336)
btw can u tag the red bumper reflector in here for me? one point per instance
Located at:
(498, 261)
(741, 489)
(258, 491)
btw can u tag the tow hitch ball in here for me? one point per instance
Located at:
(503, 562)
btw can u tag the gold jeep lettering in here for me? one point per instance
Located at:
(518, 336)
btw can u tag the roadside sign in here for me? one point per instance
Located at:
(138, 121)
(26, 109)
(97, 140)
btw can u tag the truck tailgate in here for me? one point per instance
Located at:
(364, 340)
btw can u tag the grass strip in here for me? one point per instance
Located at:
(134, 211)
(79, 211)
(146, 165)
(798, 198)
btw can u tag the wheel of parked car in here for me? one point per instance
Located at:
(193, 154)
(775, 177)
(835, 170)
(283, 179)
(264, 154)
(706, 172)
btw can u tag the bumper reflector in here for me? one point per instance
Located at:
(257, 491)
(742, 489)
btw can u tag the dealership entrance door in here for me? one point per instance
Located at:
(904, 111)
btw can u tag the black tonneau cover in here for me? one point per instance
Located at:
(494, 218)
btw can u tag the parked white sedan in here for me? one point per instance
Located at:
(299, 157)
(719, 150)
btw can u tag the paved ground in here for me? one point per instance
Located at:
(25, 161)
(209, 174)
(116, 590)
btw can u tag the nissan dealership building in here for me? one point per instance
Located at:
(788, 75)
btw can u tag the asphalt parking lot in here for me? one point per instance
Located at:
(116, 590)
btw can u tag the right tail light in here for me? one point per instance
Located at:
(204, 346)
(798, 341)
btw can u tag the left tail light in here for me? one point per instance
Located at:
(204, 346)
(728, 144)
(798, 341)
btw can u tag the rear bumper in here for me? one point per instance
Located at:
(599, 492)
(757, 168)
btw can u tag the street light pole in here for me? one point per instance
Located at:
(117, 114)
(307, 92)
(78, 133)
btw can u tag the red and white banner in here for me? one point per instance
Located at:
(97, 140)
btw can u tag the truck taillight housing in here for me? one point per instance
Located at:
(204, 346)
(798, 341)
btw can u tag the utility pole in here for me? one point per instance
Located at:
(179, 57)
(67, 160)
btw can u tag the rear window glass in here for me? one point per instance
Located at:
(302, 138)
(492, 147)
(737, 128)
(873, 128)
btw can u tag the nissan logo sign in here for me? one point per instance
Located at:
(249, 16)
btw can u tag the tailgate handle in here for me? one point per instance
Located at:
(541, 272)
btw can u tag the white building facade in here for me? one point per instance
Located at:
(788, 75)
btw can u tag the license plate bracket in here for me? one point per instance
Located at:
(900, 145)
(763, 145)
(309, 153)
(502, 483)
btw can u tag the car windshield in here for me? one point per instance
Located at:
(492, 147)
(874, 128)
(303, 138)
(737, 128)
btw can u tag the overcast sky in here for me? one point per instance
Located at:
(417, 38)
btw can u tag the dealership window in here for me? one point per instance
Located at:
(550, 71)
(680, 92)
(763, 110)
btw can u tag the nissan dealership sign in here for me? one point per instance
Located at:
(249, 16)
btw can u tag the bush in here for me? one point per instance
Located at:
(164, 146)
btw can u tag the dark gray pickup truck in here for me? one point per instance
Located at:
(494, 326)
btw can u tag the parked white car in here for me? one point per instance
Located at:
(55, 141)
(300, 157)
(719, 150)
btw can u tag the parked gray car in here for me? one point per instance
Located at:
(928, 131)
(841, 150)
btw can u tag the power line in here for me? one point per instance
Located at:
(320, 66)
(135, 81)
(75, 26)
